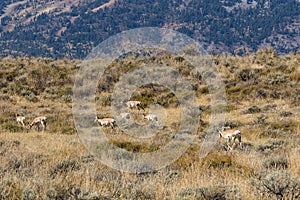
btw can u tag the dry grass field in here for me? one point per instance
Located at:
(263, 102)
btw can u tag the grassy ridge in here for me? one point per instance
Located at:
(262, 92)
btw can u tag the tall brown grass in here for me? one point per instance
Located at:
(262, 93)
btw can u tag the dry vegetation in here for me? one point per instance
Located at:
(262, 101)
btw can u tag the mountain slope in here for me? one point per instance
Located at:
(72, 28)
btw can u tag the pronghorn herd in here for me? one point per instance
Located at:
(138, 105)
(126, 115)
(38, 121)
(230, 135)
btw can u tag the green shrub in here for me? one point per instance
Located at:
(271, 145)
(140, 193)
(167, 100)
(4, 97)
(50, 194)
(265, 56)
(11, 127)
(14, 164)
(29, 194)
(203, 90)
(103, 99)
(261, 119)
(218, 161)
(276, 184)
(12, 189)
(261, 93)
(232, 124)
(285, 113)
(67, 98)
(284, 125)
(276, 79)
(32, 97)
(64, 167)
(220, 192)
(26, 91)
(4, 90)
(10, 76)
(71, 192)
(275, 94)
(135, 147)
(246, 75)
(253, 109)
(277, 162)
(87, 158)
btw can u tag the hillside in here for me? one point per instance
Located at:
(71, 29)
(262, 94)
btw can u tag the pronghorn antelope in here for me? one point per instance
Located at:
(231, 135)
(134, 104)
(42, 120)
(125, 115)
(106, 121)
(150, 117)
(20, 119)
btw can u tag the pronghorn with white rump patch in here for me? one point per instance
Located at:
(231, 135)
(20, 119)
(134, 104)
(150, 117)
(106, 121)
(41, 120)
